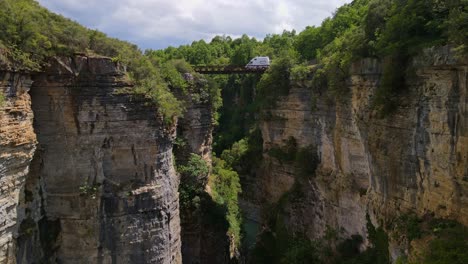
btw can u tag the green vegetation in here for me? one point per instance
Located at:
(2, 99)
(408, 225)
(390, 30)
(447, 238)
(276, 81)
(89, 190)
(245, 155)
(236, 116)
(449, 245)
(31, 35)
(225, 188)
(193, 179)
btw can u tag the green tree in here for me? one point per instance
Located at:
(225, 187)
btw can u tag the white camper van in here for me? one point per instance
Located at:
(258, 63)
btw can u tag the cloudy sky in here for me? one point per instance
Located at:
(160, 23)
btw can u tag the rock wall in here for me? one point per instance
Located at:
(17, 145)
(201, 242)
(102, 187)
(415, 159)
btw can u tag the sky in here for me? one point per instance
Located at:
(157, 24)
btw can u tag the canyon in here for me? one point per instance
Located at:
(87, 172)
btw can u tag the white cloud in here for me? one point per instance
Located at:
(159, 23)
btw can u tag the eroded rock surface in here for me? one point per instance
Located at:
(17, 145)
(415, 159)
(202, 242)
(102, 186)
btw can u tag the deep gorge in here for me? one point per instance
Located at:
(93, 170)
(351, 148)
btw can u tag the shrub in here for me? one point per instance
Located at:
(196, 168)
(300, 72)
(182, 66)
(173, 76)
(193, 179)
(449, 245)
(275, 81)
(410, 226)
(89, 190)
(234, 155)
(225, 188)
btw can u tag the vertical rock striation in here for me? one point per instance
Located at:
(102, 186)
(414, 160)
(17, 145)
(201, 242)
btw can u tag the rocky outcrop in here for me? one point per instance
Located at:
(201, 242)
(102, 187)
(413, 160)
(17, 145)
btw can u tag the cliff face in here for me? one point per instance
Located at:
(102, 187)
(17, 145)
(98, 184)
(415, 159)
(201, 242)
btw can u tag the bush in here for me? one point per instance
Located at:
(300, 72)
(275, 81)
(173, 76)
(410, 226)
(193, 179)
(196, 168)
(449, 248)
(89, 190)
(225, 188)
(457, 24)
(234, 155)
(449, 245)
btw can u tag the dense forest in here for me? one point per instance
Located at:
(364, 28)
(391, 30)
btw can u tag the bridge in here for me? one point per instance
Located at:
(227, 69)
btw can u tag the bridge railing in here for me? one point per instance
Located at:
(226, 69)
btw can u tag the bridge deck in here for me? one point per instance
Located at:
(226, 69)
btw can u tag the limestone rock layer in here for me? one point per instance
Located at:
(101, 187)
(17, 145)
(412, 160)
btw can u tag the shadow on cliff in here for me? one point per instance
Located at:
(213, 241)
(37, 235)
